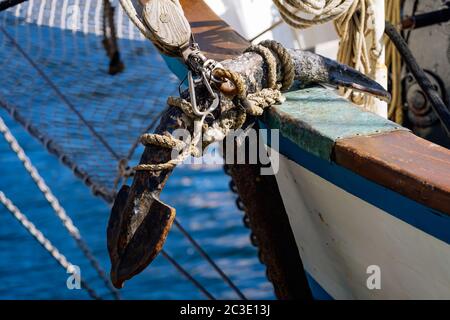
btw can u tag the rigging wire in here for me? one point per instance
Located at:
(210, 260)
(177, 266)
(45, 243)
(187, 275)
(425, 84)
(54, 203)
(115, 155)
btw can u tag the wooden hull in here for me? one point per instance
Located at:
(341, 233)
(358, 191)
(345, 224)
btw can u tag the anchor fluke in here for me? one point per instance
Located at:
(135, 240)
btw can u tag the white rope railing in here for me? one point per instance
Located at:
(54, 203)
(44, 242)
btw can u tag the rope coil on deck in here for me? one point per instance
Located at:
(323, 11)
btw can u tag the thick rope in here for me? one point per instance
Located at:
(56, 206)
(394, 63)
(170, 142)
(322, 10)
(44, 242)
(235, 78)
(270, 61)
(353, 20)
(287, 64)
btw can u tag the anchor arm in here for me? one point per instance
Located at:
(139, 221)
(310, 68)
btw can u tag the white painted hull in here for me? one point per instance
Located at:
(339, 236)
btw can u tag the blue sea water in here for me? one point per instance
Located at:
(205, 206)
(204, 203)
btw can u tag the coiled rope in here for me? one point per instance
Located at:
(354, 23)
(45, 243)
(56, 206)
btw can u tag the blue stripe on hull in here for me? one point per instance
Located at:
(317, 291)
(426, 219)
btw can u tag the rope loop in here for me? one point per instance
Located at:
(287, 65)
(270, 61)
(322, 10)
(240, 88)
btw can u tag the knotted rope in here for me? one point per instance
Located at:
(246, 104)
(56, 206)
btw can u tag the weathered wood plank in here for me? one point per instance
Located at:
(402, 162)
(216, 38)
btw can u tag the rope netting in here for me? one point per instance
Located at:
(55, 62)
(55, 81)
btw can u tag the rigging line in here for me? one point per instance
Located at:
(45, 243)
(414, 10)
(425, 84)
(271, 27)
(6, 4)
(205, 255)
(52, 148)
(187, 275)
(107, 146)
(60, 94)
(54, 203)
(34, 132)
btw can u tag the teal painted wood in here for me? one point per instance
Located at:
(315, 118)
(177, 67)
